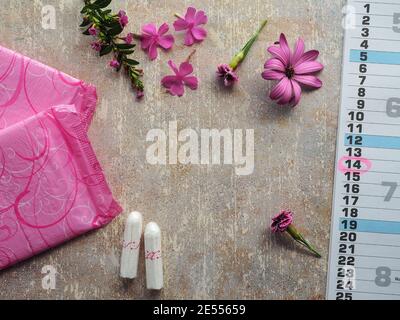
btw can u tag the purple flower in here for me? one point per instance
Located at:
(226, 72)
(191, 23)
(114, 63)
(129, 38)
(123, 18)
(139, 94)
(93, 31)
(292, 70)
(151, 38)
(175, 83)
(96, 45)
(282, 221)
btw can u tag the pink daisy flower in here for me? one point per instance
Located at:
(191, 22)
(151, 38)
(175, 83)
(292, 69)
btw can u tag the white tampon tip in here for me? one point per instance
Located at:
(153, 257)
(131, 244)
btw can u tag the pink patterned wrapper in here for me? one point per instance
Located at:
(52, 187)
(28, 87)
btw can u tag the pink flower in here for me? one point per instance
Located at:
(292, 70)
(191, 23)
(129, 38)
(151, 39)
(282, 221)
(226, 72)
(139, 94)
(123, 18)
(93, 31)
(175, 84)
(96, 46)
(114, 63)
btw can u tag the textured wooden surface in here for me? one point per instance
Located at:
(215, 241)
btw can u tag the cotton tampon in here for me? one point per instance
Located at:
(131, 244)
(154, 266)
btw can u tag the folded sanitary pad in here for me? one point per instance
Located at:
(52, 187)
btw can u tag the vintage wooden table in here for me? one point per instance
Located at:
(215, 237)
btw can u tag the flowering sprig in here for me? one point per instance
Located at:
(106, 27)
(227, 71)
(284, 222)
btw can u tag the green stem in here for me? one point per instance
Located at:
(178, 16)
(300, 239)
(241, 55)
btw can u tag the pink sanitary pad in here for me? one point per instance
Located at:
(28, 87)
(52, 187)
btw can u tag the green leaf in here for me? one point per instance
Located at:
(85, 22)
(127, 52)
(105, 50)
(131, 62)
(116, 30)
(86, 32)
(101, 3)
(125, 46)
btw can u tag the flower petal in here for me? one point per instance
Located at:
(278, 53)
(166, 42)
(278, 91)
(152, 53)
(168, 81)
(200, 18)
(173, 67)
(163, 29)
(298, 51)
(150, 29)
(192, 82)
(308, 67)
(185, 68)
(177, 89)
(308, 56)
(285, 47)
(189, 40)
(180, 24)
(287, 94)
(199, 33)
(272, 75)
(297, 93)
(190, 15)
(274, 64)
(145, 41)
(308, 80)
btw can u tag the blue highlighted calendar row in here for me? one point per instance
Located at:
(372, 141)
(371, 226)
(370, 56)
